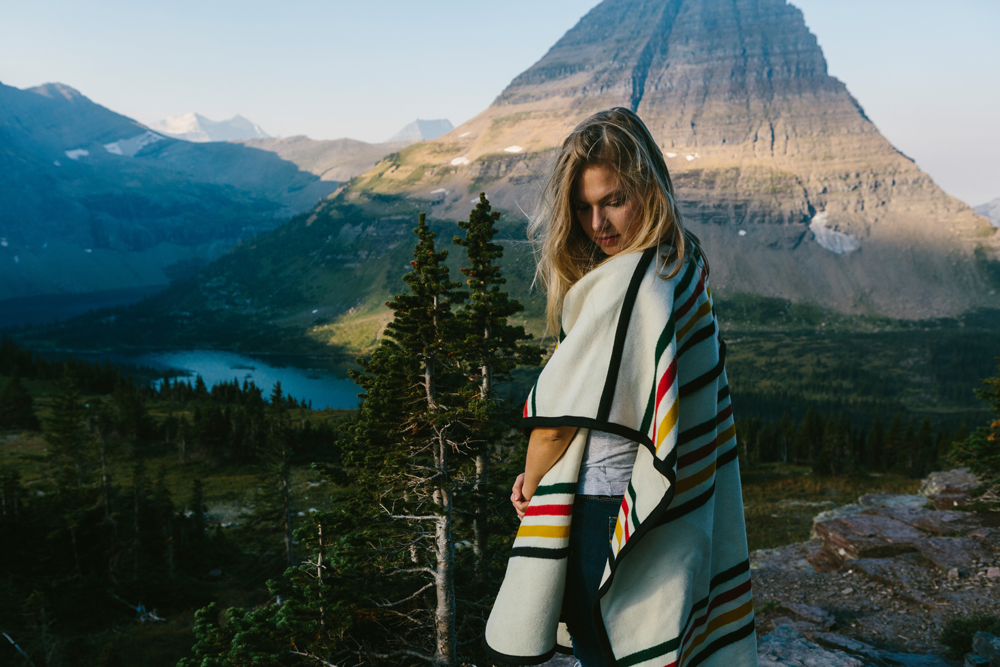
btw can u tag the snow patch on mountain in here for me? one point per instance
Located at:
(834, 241)
(132, 145)
(195, 127)
(77, 153)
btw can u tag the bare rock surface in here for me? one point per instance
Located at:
(878, 581)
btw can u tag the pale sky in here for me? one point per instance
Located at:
(926, 72)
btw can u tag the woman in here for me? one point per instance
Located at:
(632, 520)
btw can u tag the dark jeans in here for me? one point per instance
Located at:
(589, 541)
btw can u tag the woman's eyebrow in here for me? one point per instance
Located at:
(614, 194)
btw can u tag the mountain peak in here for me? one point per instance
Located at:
(793, 191)
(423, 130)
(195, 127)
(57, 90)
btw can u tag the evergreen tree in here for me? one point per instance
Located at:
(418, 446)
(892, 452)
(925, 450)
(980, 450)
(17, 406)
(65, 433)
(810, 440)
(492, 348)
(876, 444)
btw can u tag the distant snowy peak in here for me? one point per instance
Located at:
(991, 210)
(423, 130)
(195, 127)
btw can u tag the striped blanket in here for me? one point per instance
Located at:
(641, 357)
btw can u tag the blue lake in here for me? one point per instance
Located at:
(324, 388)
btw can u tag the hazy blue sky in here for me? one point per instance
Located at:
(926, 72)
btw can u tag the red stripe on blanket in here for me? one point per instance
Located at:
(696, 455)
(666, 381)
(724, 415)
(549, 510)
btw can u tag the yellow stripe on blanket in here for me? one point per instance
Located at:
(694, 480)
(705, 309)
(727, 435)
(667, 425)
(730, 616)
(543, 531)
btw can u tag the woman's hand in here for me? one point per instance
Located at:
(517, 499)
(545, 446)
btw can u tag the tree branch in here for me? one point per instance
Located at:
(393, 604)
(313, 657)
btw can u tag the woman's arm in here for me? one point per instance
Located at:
(545, 446)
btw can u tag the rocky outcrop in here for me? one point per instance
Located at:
(881, 577)
(793, 190)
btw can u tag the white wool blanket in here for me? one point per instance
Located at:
(641, 357)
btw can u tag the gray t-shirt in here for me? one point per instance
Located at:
(607, 464)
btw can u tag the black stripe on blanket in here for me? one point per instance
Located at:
(703, 380)
(529, 423)
(539, 552)
(624, 317)
(700, 335)
(722, 642)
(498, 658)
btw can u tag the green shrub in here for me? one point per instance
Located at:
(959, 631)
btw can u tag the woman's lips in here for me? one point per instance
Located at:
(607, 240)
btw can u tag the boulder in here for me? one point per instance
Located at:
(957, 481)
(988, 646)
(893, 501)
(793, 557)
(815, 615)
(950, 553)
(867, 536)
(975, 660)
(784, 647)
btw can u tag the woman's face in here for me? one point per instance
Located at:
(608, 217)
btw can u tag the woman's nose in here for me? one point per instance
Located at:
(596, 218)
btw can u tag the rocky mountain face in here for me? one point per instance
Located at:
(792, 189)
(195, 127)
(92, 200)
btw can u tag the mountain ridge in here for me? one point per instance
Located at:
(195, 127)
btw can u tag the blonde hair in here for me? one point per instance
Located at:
(619, 141)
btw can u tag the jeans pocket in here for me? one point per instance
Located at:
(612, 522)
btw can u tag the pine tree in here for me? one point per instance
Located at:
(17, 406)
(891, 453)
(492, 349)
(418, 446)
(876, 444)
(980, 450)
(65, 433)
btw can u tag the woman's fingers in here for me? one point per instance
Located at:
(518, 485)
(517, 499)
